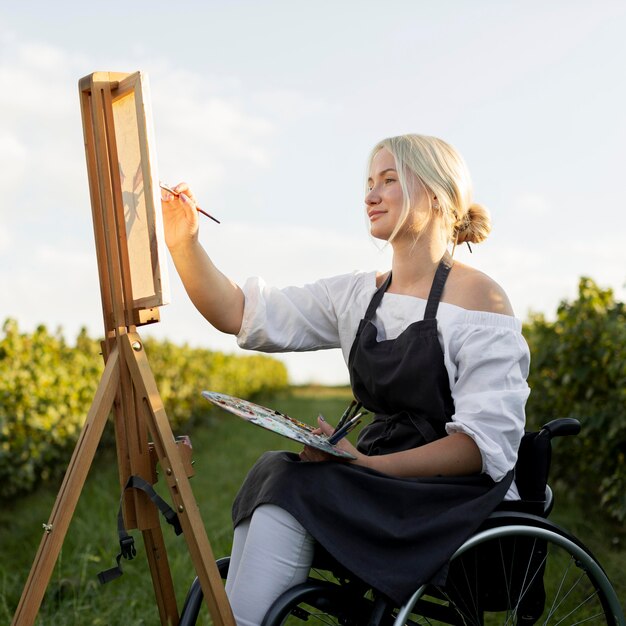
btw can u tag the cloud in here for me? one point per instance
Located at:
(289, 105)
(538, 280)
(204, 125)
(209, 125)
(5, 237)
(290, 255)
(531, 205)
(13, 162)
(254, 152)
(282, 255)
(41, 153)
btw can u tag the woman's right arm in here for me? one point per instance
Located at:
(219, 300)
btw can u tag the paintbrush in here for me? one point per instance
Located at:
(174, 193)
(349, 426)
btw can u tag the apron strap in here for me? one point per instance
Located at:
(436, 289)
(375, 301)
(441, 275)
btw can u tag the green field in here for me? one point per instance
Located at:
(223, 452)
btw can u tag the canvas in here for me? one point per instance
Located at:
(140, 193)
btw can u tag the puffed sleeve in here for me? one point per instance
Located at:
(294, 318)
(489, 361)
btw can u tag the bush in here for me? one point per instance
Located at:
(48, 386)
(182, 373)
(578, 369)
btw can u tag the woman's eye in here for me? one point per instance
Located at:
(390, 180)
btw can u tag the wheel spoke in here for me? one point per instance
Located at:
(549, 579)
(577, 608)
(524, 589)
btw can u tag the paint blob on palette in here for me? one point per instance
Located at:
(275, 421)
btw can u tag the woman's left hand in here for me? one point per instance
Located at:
(313, 454)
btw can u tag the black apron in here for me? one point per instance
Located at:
(393, 533)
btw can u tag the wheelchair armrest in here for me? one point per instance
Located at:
(562, 427)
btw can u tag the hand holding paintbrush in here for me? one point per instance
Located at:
(345, 429)
(176, 193)
(350, 419)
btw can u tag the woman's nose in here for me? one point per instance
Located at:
(372, 198)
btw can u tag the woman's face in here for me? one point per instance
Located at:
(384, 200)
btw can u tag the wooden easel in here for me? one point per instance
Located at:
(127, 386)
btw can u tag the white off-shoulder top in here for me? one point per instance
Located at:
(485, 354)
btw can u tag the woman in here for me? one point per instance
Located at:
(433, 351)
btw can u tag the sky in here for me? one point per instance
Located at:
(269, 110)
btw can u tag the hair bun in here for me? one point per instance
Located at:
(475, 225)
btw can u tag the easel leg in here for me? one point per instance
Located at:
(134, 459)
(68, 495)
(178, 483)
(161, 576)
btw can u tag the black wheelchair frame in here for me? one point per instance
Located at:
(518, 568)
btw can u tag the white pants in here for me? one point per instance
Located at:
(271, 553)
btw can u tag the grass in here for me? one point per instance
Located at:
(223, 452)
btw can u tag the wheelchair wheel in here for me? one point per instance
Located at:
(324, 602)
(314, 601)
(518, 574)
(195, 597)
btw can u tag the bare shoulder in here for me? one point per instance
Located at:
(473, 290)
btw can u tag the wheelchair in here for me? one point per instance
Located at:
(519, 568)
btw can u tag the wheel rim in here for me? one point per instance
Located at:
(530, 576)
(317, 603)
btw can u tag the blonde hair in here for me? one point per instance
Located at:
(442, 173)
